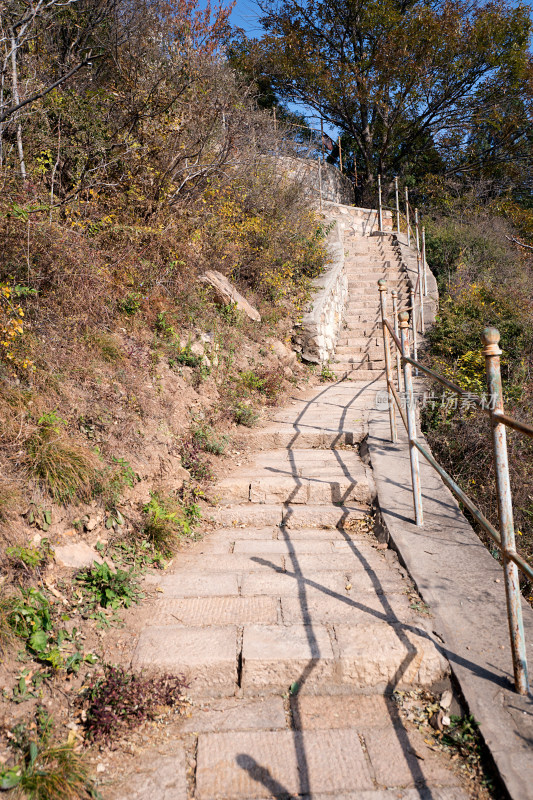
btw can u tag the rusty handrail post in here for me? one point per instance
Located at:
(394, 294)
(492, 352)
(382, 285)
(424, 263)
(412, 297)
(411, 420)
(407, 216)
(397, 204)
(380, 210)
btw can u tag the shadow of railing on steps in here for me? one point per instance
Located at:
(401, 629)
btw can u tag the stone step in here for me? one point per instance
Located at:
(362, 327)
(324, 761)
(359, 341)
(309, 433)
(324, 489)
(377, 655)
(371, 350)
(346, 372)
(361, 359)
(295, 516)
(365, 279)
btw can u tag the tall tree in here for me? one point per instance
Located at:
(397, 76)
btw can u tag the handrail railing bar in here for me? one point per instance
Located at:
(393, 334)
(382, 284)
(398, 401)
(413, 327)
(511, 422)
(476, 513)
(394, 294)
(403, 321)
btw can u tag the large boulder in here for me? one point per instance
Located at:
(228, 294)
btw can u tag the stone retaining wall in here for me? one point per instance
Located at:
(336, 187)
(317, 333)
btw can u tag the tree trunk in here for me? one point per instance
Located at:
(16, 99)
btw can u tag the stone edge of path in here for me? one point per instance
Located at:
(463, 586)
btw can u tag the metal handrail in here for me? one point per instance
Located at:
(505, 539)
(511, 422)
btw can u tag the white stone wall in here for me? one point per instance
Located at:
(336, 187)
(316, 335)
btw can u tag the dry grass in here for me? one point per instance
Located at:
(63, 468)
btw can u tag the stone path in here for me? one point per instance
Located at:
(294, 624)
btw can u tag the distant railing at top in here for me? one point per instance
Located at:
(505, 538)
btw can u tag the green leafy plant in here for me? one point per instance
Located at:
(138, 554)
(106, 588)
(39, 516)
(44, 769)
(29, 559)
(131, 304)
(183, 356)
(265, 382)
(230, 313)
(326, 374)
(207, 440)
(32, 618)
(168, 521)
(120, 700)
(249, 381)
(244, 414)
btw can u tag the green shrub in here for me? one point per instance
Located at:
(326, 374)
(168, 521)
(131, 304)
(204, 435)
(29, 559)
(244, 414)
(107, 588)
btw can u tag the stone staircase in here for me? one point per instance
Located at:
(359, 354)
(292, 622)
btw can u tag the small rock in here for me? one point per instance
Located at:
(37, 538)
(228, 294)
(436, 720)
(286, 356)
(91, 524)
(100, 768)
(446, 700)
(76, 555)
(197, 349)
